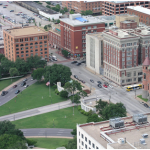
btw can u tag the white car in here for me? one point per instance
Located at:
(111, 86)
(31, 79)
(26, 86)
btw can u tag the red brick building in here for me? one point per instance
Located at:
(72, 33)
(128, 24)
(25, 42)
(146, 78)
(141, 12)
(118, 7)
(78, 6)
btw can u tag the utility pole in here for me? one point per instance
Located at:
(135, 93)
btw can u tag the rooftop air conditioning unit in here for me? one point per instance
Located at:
(116, 123)
(121, 140)
(140, 118)
(145, 135)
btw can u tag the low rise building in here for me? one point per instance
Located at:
(128, 24)
(94, 52)
(141, 12)
(117, 133)
(23, 42)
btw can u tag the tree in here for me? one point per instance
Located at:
(75, 98)
(58, 21)
(87, 12)
(13, 72)
(114, 110)
(72, 144)
(71, 12)
(63, 94)
(53, 19)
(65, 9)
(83, 93)
(93, 118)
(38, 73)
(49, 19)
(45, 27)
(58, 7)
(49, 3)
(49, 25)
(62, 11)
(74, 132)
(31, 142)
(1, 56)
(65, 53)
(1, 71)
(58, 73)
(39, 24)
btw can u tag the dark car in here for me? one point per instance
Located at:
(12, 11)
(99, 82)
(18, 91)
(146, 105)
(83, 81)
(4, 93)
(1, 3)
(75, 76)
(83, 61)
(25, 79)
(4, 7)
(73, 62)
(78, 64)
(106, 83)
(14, 86)
(99, 86)
(23, 83)
(92, 80)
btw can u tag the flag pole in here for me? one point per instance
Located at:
(49, 85)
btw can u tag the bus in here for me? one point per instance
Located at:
(134, 87)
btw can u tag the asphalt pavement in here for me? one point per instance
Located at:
(47, 132)
(11, 92)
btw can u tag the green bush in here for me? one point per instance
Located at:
(63, 94)
(79, 107)
(55, 86)
(31, 142)
(57, 92)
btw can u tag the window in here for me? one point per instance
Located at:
(89, 142)
(41, 53)
(45, 56)
(123, 45)
(31, 51)
(129, 44)
(16, 40)
(86, 139)
(82, 136)
(31, 47)
(82, 143)
(17, 55)
(22, 51)
(45, 52)
(134, 73)
(41, 49)
(17, 52)
(36, 50)
(27, 51)
(31, 54)
(128, 74)
(83, 28)
(45, 45)
(135, 43)
(45, 48)
(97, 147)
(93, 145)
(36, 53)
(22, 55)
(45, 37)
(36, 46)
(89, 27)
(85, 146)
(45, 41)
(26, 47)
(79, 133)
(144, 75)
(21, 40)
(94, 27)
(17, 49)
(79, 140)
(17, 45)
(31, 43)
(21, 48)
(35, 38)
(26, 39)
(36, 43)
(40, 42)
(31, 38)
(129, 80)
(27, 54)
(140, 73)
(40, 37)
(26, 44)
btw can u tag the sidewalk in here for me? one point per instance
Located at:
(14, 83)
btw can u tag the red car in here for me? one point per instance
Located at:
(105, 86)
(14, 86)
(5, 5)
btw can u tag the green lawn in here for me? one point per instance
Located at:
(50, 143)
(144, 99)
(5, 83)
(55, 119)
(36, 95)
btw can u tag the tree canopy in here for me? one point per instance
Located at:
(57, 73)
(38, 73)
(1, 56)
(87, 12)
(13, 72)
(71, 12)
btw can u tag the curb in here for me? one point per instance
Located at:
(62, 137)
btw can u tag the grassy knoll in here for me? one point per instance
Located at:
(55, 119)
(50, 143)
(34, 96)
(5, 83)
(144, 99)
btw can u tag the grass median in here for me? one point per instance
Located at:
(62, 118)
(5, 83)
(144, 99)
(34, 96)
(50, 143)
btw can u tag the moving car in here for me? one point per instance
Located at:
(99, 86)
(23, 83)
(99, 82)
(14, 86)
(54, 58)
(11, 10)
(18, 91)
(31, 79)
(78, 64)
(92, 80)
(25, 79)
(73, 62)
(4, 93)
(1, 3)
(26, 86)
(83, 61)
(105, 85)
(146, 105)
(4, 7)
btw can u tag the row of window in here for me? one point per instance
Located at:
(30, 39)
(89, 27)
(31, 55)
(32, 44)
(36, 50)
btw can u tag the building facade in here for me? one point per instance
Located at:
(79, 6)
(24, 42)
(128, 24)
(120, 7)
(1, 47)
(141, 12)
(94, 52)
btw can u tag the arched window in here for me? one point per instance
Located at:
(36, 50)
(40, 42)
(31, 43)
(21, 45)
(36, 43)
(26, 44)
(22, 51)
(31, 51)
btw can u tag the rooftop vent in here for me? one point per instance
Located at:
(142, 141)
(145, 135)
(140, 118)
(116, 123)
(121, 141)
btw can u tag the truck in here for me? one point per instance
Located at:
(54, 58)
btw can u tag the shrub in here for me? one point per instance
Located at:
(63, 94)
(31, 142)
(56, 91)
(55, 86)
(79, 107)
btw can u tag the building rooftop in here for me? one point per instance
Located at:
(40, 7)
(104, 134)
(78, 20)
(96, 35)
(140, 9)
(25, 31)
(106, 17)
(120, 1)
(125, 15)
(146, 62)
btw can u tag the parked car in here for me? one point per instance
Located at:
(18, 91)
(99, 82)
(25, 79)
(4, 93)
(92, 80)
(75, 76)
(26, 86)
(105, 85)
(14, 86)
(83, 81)
(11, 10)
(146, 105)
(83, 61)
(31, 79)
(78, 64)
(99, 85)
(73, 62)
(111, 86)
(23, 83)
(4, 7)
(1, 3)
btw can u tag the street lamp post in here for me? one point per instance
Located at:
(135, 93)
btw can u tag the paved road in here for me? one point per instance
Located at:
(11, 92)
(37, 111)
(47, 132)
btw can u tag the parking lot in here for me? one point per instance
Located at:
(17, 15)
